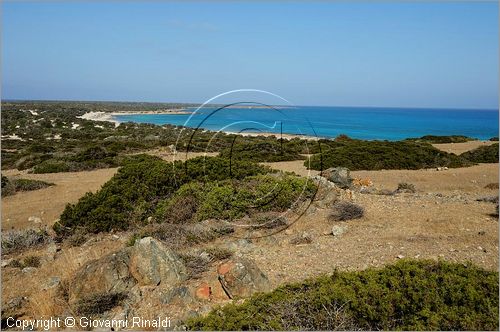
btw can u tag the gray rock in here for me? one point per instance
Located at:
(52, 282)
(340, 176)
(107, 274)
(338, 230)
(180, 294)
(29, 269)
(152, 263)
(6, 262)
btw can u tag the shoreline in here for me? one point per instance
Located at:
(110, 117)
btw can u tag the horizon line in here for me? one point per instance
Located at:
(289, 106)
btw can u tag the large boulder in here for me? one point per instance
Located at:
(340, 176)
(241, 277)
(153, 263)
(105, 275)
(147, 263)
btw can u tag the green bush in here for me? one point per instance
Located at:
(409, 295)
(443, 139)
(52, 166)
(375, 155)
(135, 190)
(29, 185)
(483, 154)
(232, 199)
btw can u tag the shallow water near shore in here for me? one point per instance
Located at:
(357, 122)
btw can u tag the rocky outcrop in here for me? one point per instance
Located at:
(108, 274)
(152, 263)
(147, 263)
(340, 176)
(241, 277)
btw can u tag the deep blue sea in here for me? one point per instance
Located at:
(357, 122)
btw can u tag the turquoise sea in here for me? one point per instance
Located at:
(357, 122)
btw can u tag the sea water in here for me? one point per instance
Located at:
(357, 122)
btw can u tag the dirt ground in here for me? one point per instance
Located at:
(458, 148)
(48, 204)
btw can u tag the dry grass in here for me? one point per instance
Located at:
(17, 241)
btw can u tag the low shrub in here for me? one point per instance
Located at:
(302, 238)
(97, 304)
(483, 154)
(28, 261)
(8, 187)
(19, 240)
(488, 199)
(344, 210)
(406, 188)
(195, 264)
(493, 185)
(443, 139)
(218, 253)
(409, 295)
(376, 155)
(29, 185)
(52, 166)
(494, 139)
(182, 235)
(134, 191)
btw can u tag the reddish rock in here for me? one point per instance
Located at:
(241, 277)
(204, 291)
(225, 268)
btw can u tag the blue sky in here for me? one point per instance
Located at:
(327, 53)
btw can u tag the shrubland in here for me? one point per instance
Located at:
(376, 155)
(483, 154)
(409, 295)
(147, 188)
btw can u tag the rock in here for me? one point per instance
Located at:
(35, 220)
(6, 262)
(241, 277)
(180, 294)
(204, 291)
(29, 269)
(340, 176)
(107, 274)
(115, 237)
(338, 230)
(152, 263)
(326, 195)
(52, 282)
(400, 256)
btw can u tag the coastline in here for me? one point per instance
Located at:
(110, 117)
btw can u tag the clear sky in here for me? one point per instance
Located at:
(327, 53)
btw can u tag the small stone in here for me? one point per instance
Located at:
(51, 283)
(480, 248)
(115, 237)
(6, 262)
(29, 269)
(35, 220)
(288, 232)
(400, 256)
(338, 230)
